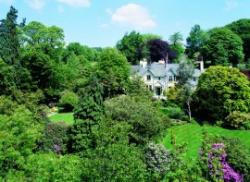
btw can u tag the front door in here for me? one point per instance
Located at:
(158, 91)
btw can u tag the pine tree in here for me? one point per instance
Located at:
(9, 42)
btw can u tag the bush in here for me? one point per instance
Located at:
(68, 101)
(115, 162)
(143, 117)
(174, 112)
(220, 91)
(7, 106)
(49, 167)
(238, 120)
(54, 138)
(238, 157)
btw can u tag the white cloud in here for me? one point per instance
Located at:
(133, 15)
(36, 4)
(76, 3)
(231, 4)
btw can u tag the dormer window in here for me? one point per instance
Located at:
(148, 77)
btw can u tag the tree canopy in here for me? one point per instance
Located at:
(242, 29)
(223, 47)
(113, 72)
(195, 41)
(220, 91)
(160, 50)
(132, 46)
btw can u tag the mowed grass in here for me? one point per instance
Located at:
(191, 134)
(65, 117)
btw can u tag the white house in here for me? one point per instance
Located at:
(159, 76)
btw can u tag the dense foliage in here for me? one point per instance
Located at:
(221, 90)
(223, 47)
(242, 28)
(195, 41)
(113, 72)
(133, 47)
(116, 126)
(144, 118)
(160, 50)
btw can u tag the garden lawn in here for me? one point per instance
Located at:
(65, 117)
(191, 134)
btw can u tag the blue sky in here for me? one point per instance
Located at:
(104, 22)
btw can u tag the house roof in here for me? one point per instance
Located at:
(159, 69)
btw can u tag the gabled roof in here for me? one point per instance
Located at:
(160, 69)
(157, 69)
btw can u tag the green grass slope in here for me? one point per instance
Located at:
(65, 117)
(191, 134)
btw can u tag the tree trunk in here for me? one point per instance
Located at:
(189, 110)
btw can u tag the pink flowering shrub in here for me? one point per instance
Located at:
(218, 166)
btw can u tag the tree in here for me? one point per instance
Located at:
(10, 50)
(220, 91)
(40, 68)
(176, 38)
(90, 105)
(113, 153)
(19, 133)
(186, 93)
(49, 39)
(195, 41)
(185, 74)
(132, 46)
(242, 29)
(87, 114)
(7, 78)
(176, 44)
(79, 50)
(138, 88)
(147, 37)
(68, 101)
(223, 47)
(9, 42)
(160, 50)
(113, 72)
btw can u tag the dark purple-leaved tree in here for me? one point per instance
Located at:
(160, 50)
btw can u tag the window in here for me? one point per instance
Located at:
(194, 79)
(150, 87)
(148, 77)
(170, 78)
(159, 78)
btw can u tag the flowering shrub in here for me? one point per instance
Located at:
(54, 138)
(218, 166)
(157, 158)
(238, 156)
